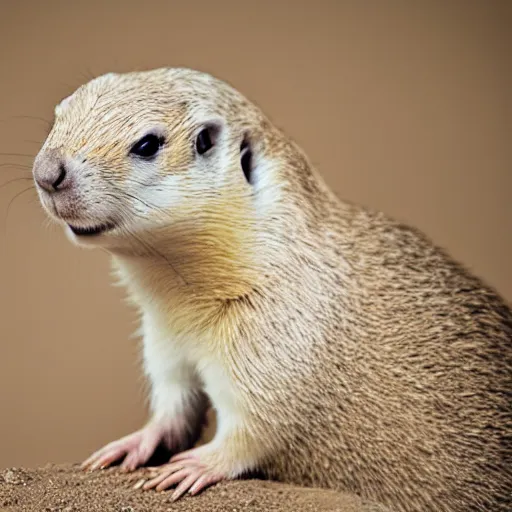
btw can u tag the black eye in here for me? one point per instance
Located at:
(204, 141)
(148, 146)
(246, 159)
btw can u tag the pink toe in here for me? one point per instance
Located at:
(188, 454)
(173, 479)
(204, 482)
(151, 484)
(185, 485)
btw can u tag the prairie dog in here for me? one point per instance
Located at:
(339, 347)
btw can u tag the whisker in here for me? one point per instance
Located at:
(34, 118)
(17, 168)
(147, 246)
(131, 196)
(68, 86)
(15, 164)
(86, 75)
(18, 154)
(48, 223)
(13, 180)
(145, 203)
(142, 201)
(89, 72)
(155, 252)
(12, 201)
(126, 214)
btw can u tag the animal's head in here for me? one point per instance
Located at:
(136, 152)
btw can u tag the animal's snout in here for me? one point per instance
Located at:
(56, 179)
(60, 180)
(51, 175)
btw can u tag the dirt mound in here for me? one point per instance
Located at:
(68, 489)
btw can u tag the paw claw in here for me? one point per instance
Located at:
(189, 474)
(199, 485)
(139, 484)
(136, 448)
(185, 485)
(164, 477)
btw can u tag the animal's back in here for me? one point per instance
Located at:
(408, 399)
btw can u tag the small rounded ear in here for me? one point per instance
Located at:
(207, 138)
(62, 105)
(246, 159)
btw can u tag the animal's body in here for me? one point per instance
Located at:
(339, 347)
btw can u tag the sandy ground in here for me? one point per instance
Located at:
(68, 489)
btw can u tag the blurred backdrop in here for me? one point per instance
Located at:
(403, 106)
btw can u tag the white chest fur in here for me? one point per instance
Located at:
(178, 366)
(182, 357)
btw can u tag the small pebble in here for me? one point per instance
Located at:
(139, 484)
(10, 477)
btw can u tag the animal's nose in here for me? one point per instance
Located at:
(51, 177)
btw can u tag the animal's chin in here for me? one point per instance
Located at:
(90, 231)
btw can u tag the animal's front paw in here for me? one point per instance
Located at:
(136, 448)
(192, 471)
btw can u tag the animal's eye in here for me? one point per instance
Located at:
(148, 146)
(246, 159)
(204, 141)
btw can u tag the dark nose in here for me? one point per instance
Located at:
(52, 177)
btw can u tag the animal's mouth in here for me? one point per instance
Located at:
(92, 230)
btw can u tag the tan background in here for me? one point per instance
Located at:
(404, 106)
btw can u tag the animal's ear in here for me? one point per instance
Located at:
(246, 160)
(62, 105)
(207, 138)
(104, 79)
